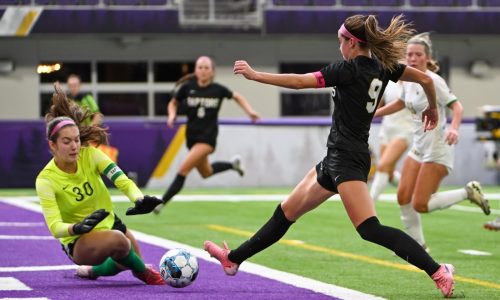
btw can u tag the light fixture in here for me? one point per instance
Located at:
(48, 68)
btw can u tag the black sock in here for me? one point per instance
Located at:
(402, 244)
(174, 188)
(269, 234)
(221, 166)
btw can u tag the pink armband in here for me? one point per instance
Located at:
(320, 81)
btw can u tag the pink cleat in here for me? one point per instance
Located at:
(230, 268)
(444, 279)
(84, 271)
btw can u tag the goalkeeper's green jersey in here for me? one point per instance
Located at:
(67, 198)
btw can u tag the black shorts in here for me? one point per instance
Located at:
(211, 140)
(118, 225)
(340, 165)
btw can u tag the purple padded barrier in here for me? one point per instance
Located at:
(135, 2)
(122, 2)
(67, 2)
(324, 2)
(441, 2)
(291, 2)
(372, 2)
(304, 2)
(15, 2)
(488, 2)
(156, 2)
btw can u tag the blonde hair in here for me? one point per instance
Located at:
(63, 109)
(190, 76)
(424, 39)
(387, 45)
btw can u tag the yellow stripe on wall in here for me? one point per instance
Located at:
(26, 23)
(169, 155)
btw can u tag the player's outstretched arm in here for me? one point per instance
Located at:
(292, 81)
(172, 112)
(430, 115)
(144, 206)
(245, 105)
(390, 108)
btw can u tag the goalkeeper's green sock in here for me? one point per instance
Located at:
(107, 268)
(132, 261)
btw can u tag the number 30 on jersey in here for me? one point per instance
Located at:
(373, 92)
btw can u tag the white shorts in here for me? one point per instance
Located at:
(388, 134)
(440, 153)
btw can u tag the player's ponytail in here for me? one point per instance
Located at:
(63, 110)
(387, 45)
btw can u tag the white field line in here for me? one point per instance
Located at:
(38, 268)
(26, 237)
(272, 198)
(12, 284)
(38, 298)
(22, 224)
(288, 278)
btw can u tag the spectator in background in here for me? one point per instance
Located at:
(86, 101)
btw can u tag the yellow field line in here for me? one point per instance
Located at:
(353, 256)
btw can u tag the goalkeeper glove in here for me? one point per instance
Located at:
(90, 221)
(144, 206)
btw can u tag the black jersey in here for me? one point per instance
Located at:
(358, 86)
(203, 105)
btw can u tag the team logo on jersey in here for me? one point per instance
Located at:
(203, 102)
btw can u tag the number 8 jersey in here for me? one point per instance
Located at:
(203, 105)
(69, 198)
(363, 81)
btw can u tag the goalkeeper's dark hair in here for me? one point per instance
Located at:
(64, 109)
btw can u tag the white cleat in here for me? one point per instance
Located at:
(475, 195)
(236, 161)
(158, 208)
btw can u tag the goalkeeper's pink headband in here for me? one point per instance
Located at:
(346, 33)
(61, 125)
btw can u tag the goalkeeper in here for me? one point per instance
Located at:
(76, 204)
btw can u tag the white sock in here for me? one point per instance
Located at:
(413, 223)
(446, 199)
(396, 176)
(380, 181)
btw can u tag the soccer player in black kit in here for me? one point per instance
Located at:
(371, 57)
(203, 99)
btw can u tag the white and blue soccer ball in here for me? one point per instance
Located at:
(179, 268)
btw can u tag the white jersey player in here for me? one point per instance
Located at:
(431, 156)
(395, 136)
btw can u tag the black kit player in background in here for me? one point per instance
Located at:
(203, 98)
(371, 56)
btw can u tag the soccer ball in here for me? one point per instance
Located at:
(179, 268)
